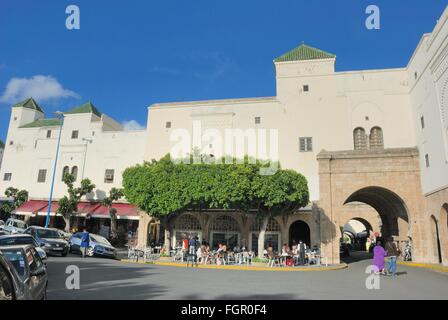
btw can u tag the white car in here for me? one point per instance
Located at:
(13, 226)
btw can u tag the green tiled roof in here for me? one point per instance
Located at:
(28, 103)
(43, 123)
(304, 52)
(85, 108)
(2, 144)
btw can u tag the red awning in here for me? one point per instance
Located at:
(85, 208)
(124, 211)
(31, 207)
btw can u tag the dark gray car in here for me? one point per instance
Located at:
(49, 239)
(29, 278)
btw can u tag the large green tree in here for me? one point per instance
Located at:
(167, 187)
(68, 205)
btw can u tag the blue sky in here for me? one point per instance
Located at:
(130, 54)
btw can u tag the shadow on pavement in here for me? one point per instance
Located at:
(281, 296)
(105, 279)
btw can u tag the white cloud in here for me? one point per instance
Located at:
(39, 87)
(132, 125)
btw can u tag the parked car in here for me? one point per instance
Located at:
(2, 223)
(13, 226)
(63, 234)
(344, 250)
(28, 276)
(49, 240)
(22, 239)
(98, 245)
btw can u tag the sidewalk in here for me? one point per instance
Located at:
(252, 267)
(435, 267)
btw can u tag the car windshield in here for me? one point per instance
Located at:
(100, 239)
(47, 233)
(17, 241)
(19, 224)
(17, 259)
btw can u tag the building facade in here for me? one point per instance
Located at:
(328, 125)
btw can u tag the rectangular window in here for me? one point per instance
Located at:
(41, 177)
(109, 176)
(306, 144)
(7, 177)
(306, 88)
(257, 120)
(75, 134)
(168, 124)
(427, 160)
(48, 133)
(422, 121)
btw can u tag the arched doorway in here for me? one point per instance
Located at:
(355, 232)
(444, 233)
(436, 239)
(225, 230)
(299, 231)
(390, 207)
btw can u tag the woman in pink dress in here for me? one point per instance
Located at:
(378, 257)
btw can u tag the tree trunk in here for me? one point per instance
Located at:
(261, 235)
(67, 224)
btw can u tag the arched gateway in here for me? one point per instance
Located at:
(387, 181)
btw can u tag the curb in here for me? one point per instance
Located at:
(434, 267)
(244, 268)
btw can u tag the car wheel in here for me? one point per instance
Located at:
(90, 251)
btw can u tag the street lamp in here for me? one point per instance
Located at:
(87, 141)
(59, 115)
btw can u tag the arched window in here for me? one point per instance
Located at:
(360, 139)
(75, 172)
(187, 222)
(272, 225)
(376, 138)
(225, 223)
(64, 171)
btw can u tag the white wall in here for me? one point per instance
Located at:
(33, 151)
(428, 77)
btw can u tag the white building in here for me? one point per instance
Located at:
(316, 108)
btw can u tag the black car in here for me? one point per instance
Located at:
(49, 239)
(23, 274)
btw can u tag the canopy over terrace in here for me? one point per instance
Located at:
(85, 209)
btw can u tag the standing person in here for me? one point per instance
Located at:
(378, 257)
(392, 255)
(192, 247)
(85, 242)
(302, 249)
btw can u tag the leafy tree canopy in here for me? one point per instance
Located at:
(169, 186)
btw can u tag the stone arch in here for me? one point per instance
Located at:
(387, 180)
(358, 237)
(185, 226)
(273, 234)
(299, 230)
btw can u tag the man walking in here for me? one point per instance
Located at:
(85, 242)
(392, 255)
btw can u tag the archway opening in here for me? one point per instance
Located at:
(392, 211)
(356, 232)
(299, 231)
(390, 207)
